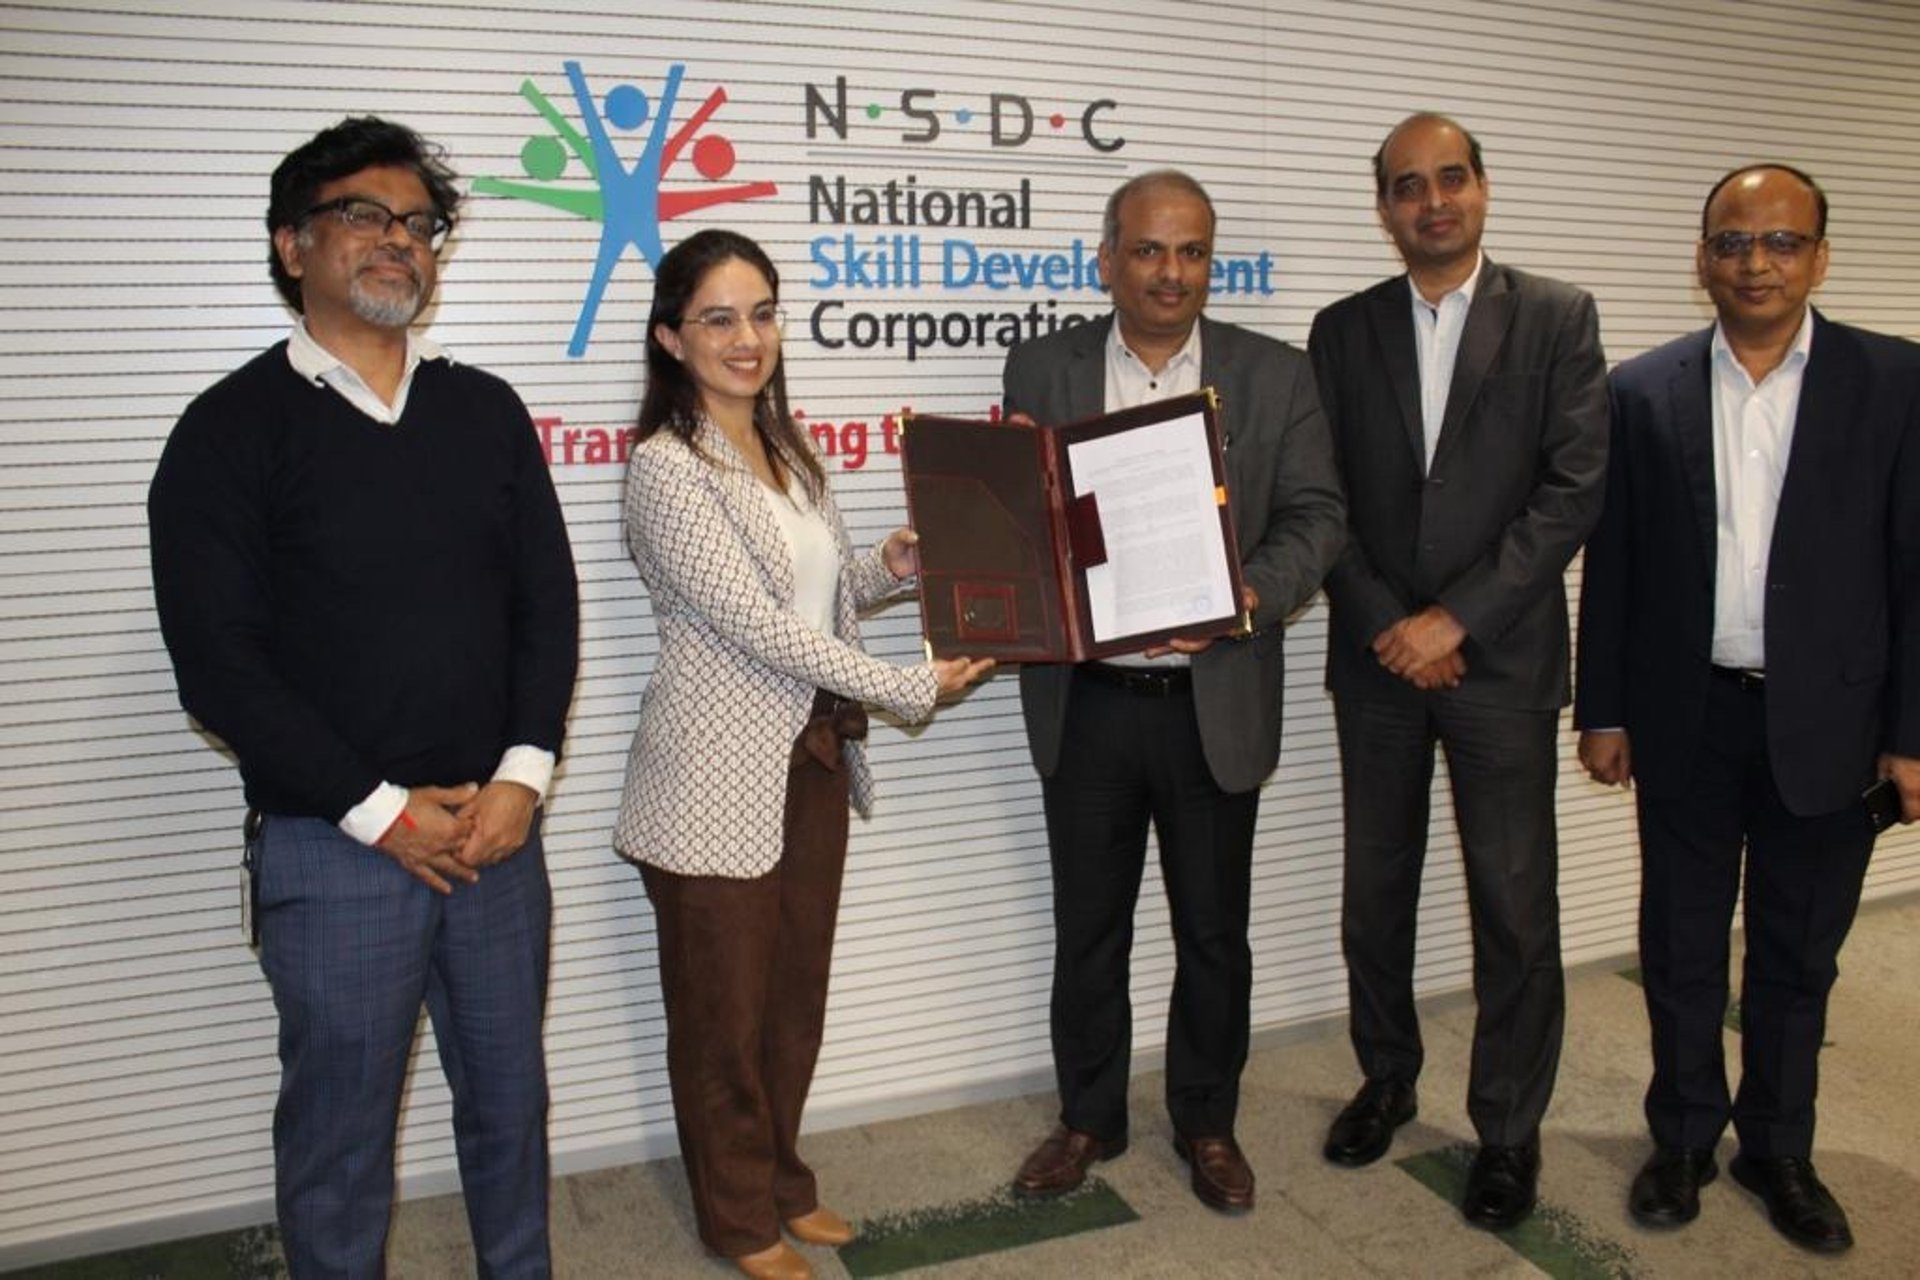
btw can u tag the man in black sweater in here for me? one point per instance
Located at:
(364, 583)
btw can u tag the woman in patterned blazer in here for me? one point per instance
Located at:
(748, 749)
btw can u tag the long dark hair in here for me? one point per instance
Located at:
(672, 401)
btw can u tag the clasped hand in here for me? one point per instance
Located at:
(447, 834)
(1424, 649)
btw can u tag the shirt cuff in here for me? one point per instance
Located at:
(531, 767)
(369, 820)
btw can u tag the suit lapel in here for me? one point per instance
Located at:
(1823, 428)
(1488, 320)
(1216, 371)
(1087, 371)
(1216, 365)
(1691, 390)
(1390, 311)
(752, 515)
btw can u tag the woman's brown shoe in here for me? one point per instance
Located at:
(778, 1261)
(822, 1226)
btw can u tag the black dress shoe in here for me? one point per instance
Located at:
(1666, 1191)
(1501, 1186)
(1222, 1179)
(1798, 1203)
(1363, 1131)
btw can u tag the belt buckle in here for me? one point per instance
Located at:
(1143, 682)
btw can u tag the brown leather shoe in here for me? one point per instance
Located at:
(1221, 1176)
(778, 1261)
(1060, 1164)
(822, 1226)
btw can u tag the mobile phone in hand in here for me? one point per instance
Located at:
(1882, 800)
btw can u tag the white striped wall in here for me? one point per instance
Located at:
(136, 1036)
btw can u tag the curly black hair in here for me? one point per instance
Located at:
(356, 143)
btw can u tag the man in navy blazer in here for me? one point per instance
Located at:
(1469, 415)
(1181, 739)
(1750, 661)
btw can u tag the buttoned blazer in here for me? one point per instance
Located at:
(1516, 484)
(1287, 516)
(1843, 569)
(737, 669)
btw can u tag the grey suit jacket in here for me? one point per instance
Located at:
(1287, 517)
(1843, 570)
(1516, 484)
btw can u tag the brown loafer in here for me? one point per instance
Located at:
(822, 1226)
(778, 1261)
(1060, 1163)
(1222, 1179)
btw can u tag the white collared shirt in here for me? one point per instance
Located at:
(1130, 384)
(1436, 340)
(318, 365)
(1752, 435)
(528, 765)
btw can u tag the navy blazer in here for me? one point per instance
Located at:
(1515, 486)
(1843, 572)
(1287, 518)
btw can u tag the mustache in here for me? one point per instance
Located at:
(385, 257)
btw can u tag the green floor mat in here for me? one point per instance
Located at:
(1557, 1242)
(900, 1242)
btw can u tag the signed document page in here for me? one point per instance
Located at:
(1167, 563)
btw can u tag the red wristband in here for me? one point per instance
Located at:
(404, 819)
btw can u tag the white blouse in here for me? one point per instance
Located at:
(815, 551)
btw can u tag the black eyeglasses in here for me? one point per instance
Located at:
(1778, 244)
(370, 218)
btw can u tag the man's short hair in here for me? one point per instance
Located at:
(356, 143)
(1380, 156)
(1173, 178)
(1801, 176)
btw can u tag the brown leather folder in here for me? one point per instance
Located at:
(1008, 539)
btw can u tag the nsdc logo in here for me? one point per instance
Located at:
(626, 200)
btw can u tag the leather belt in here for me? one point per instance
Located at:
(1148, 682)
(1747, 678)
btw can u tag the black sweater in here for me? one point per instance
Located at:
(347, 602)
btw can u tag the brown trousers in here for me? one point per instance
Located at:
(743, 970)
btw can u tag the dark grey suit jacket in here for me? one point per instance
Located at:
(1843, 570)
(1515, 487)
(1287, 518)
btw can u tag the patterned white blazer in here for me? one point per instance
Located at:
(705, 790)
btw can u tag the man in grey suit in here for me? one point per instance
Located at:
(1181, 736)
(1468, 404)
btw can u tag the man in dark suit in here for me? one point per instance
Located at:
(1750, 659)
(1180, 737)
(1469, 416)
